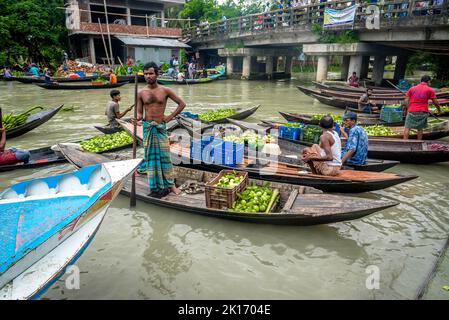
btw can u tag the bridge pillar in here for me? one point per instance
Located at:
(378, 70)
(345, 68)
(246, 72)
(229, 66)
(401, 66)
(355, 65)
(269, 67)
(323, 65)
(365, 67)
(288, 64)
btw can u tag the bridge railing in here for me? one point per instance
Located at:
(304, 17)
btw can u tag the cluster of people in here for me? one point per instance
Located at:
(174, 71)
(328, 157)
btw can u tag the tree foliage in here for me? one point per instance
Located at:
(32, 29)
(211, 10)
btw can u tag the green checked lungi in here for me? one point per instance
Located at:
(416, 120)
(157, 163)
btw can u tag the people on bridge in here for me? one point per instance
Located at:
(353, 80)
(356, 148)
(365, 104)
(12, 155)
(418, 107)
(113, 109)
(325, 158)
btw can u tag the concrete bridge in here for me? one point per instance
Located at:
(387, 28)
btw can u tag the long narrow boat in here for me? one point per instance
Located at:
(298, 205)
(48, 156)
(184, 82)
(79, 86)
(27, 80)
(375, 90)
(33, 121)
(347, 181)
(405, 151)
(363, 119)
(46, 223)
(291, 149)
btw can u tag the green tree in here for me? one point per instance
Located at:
(32, 29)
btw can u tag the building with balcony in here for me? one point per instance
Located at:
(136, 28)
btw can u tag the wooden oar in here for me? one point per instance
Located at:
(1, 118)
(132, 201)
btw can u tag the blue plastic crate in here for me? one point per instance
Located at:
(227, 153)
(289, 132)
(198, 146)
(390, 115)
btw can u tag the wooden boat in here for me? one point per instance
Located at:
(405, 151)
(48, 156)
(46, 224)
(375, 90)
(169, 81)
(363, 119)
(33, 121)
(291, 149)
(347, 181)
(28, 79)
(108, 130)
(79, 86)
(298, 205)
(242, 113)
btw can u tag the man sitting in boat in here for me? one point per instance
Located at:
(8, 73)
(418, 107)
(151, 106)
(356, 149)
(12, 155)
(325, 159)
(112, 77)
(113, 109)
(365, 103)
(353, 80)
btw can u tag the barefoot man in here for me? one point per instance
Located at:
(151, 105)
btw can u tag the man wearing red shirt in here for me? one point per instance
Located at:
(418, 107)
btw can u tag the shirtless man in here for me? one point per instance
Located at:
(151, 105)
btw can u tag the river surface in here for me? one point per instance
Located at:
(156, 253)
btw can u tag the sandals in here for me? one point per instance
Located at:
(193, 187)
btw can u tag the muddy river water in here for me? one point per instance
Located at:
(156, 253)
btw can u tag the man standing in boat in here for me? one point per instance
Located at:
(418, 107)
(151, 106)
(356, 149)
(325, 159)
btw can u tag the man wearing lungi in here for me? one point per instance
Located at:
(418, 107)
(151, 105)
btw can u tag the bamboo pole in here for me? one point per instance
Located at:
(146, 23)
(104, 42)
(109, 34)
(132, 201)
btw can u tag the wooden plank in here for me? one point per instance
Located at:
(291, 199)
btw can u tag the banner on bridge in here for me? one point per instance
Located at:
(343, 17)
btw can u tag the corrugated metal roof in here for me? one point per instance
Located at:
(152, 42)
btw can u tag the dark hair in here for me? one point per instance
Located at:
(114, 93)
(150, 65)
(425, 78)
(327, 122)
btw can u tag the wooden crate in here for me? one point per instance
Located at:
(224, 198)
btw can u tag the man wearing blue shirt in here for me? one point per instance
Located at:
(356, 149)
(34, 70)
